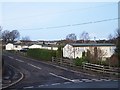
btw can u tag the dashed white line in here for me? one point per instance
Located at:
(34, 66)
(67, 82)
(19, 60)
(78, 81)
(61, 77)
(96, 80)
(75, 80)
(55, 84)
(10, 57)
(86, 80)
(41, 85)
(29, 87)
(115, 80)
(107, 80)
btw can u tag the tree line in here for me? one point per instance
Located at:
(83, 36)
(11, 36)
(112, 38)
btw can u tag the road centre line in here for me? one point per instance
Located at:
(59, 67)
(41, 85)
(86, 80)
(62, 77)
(19, 60)
(55, 84)
(67, 82)
(10, 57)
(34, 66)
(29, 87)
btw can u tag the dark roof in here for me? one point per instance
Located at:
(91, 44)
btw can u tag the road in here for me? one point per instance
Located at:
(38, 74)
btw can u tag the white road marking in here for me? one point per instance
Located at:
(67, 82)
(29, 87)
(115, 80)
(70, 70)
(59, 67)
(103, 79)
(15, 81)
(86, 80)
(10, 57)
(19, 60)
(62, 77)
(107, 80)
(34, 66)
(55, 84)
(96, 80)
(41, 85)
(76, 80)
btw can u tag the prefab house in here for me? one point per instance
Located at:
(35, 46)
(17, 47)
(9, 46)
(75, 50)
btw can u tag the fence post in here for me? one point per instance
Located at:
(61, 61)
(52, 59)
(103, 70)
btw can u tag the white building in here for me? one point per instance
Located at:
(9, 46)
(76, 50)
(49, 47)
(35, 46)
(17, 47)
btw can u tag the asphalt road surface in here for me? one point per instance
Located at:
(38, 74)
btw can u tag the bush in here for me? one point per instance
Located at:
(42, 54)
(80, 61)
(59, 52)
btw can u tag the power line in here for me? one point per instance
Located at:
(70, 25)
(59, 12)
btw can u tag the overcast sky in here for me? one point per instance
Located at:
(33, 19)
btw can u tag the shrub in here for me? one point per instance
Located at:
(59, 52)
(80, 61)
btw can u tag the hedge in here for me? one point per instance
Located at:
(42, 54)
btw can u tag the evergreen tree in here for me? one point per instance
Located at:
(117, 51)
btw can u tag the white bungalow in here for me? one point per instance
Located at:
(17, 47)
(35, 46)
(9, 46)
(75, 50)
(50, 47)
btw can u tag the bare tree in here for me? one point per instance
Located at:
(8, 36)
(14, 35)
(71, 36)
(95, 54)
(0, 32)
(84, 36)
(110, 37)
(100, 54)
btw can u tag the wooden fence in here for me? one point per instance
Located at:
(68, 62)
(88, 66)
(101, 68)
